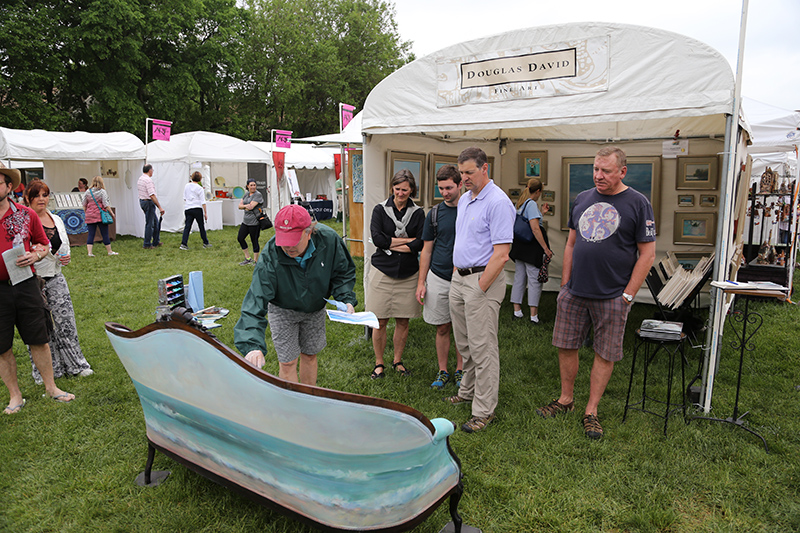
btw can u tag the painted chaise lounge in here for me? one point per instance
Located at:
(339, 461)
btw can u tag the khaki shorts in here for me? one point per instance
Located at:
(392, 298)
(436, 310)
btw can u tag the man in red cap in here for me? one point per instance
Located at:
(301, 266)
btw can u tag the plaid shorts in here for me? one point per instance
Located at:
(295, 332)
(575, 315)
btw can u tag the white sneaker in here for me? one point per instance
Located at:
(184, 247)
(87, 372)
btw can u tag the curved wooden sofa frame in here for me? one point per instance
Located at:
(335, 460)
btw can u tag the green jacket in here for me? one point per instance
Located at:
(279, 279)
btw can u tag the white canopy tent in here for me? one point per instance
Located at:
(565, 90)
(68, 156)
(314, 168)
(350, 135)
(214, 154)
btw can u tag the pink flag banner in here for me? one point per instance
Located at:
(283, 139)
(347, 114)
(161, 130)
(279, 158)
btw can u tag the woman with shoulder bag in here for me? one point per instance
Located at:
(251, 205)
(98, 214)
(529, 256)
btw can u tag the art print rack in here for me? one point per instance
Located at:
(171, 292)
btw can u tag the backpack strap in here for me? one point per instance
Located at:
(435, 221)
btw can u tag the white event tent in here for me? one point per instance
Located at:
(214, 154)
(562, 91)
(68, 156)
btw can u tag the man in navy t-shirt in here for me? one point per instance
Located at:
(610, 249)
(436, 270)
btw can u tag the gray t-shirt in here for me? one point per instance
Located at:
(249, 218)
(608, 230)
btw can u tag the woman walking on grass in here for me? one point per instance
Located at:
(94, 201)
(251, 204)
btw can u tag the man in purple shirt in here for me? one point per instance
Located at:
(484, 231)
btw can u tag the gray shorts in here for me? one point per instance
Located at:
(295, 332)
(436, 310)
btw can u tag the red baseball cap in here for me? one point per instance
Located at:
(290, 222)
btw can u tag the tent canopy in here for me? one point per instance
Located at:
(41, 145)
(646, 85)
(204, 146)
(350, 135)
(301, 156)
(773, 129)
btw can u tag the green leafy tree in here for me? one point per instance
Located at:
(305, 56)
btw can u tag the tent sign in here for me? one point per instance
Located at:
(283, 139)
(161, 130)
(556, 69)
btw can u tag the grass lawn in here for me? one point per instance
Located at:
(71, 468)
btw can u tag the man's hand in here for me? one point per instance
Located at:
(351, 309)
(421, 290)
(255, 358)
(161, 210)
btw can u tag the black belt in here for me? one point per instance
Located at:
(468, 271)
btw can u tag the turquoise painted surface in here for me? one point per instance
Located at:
(326, 459)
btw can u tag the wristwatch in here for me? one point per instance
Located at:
(628, 297)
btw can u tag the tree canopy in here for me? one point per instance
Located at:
(107, 65)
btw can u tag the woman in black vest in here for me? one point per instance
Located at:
(396, 229)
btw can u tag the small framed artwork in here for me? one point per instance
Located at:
(697, 173)
(514, 194)
(686, 200)
(490, 170)
(416, 163)
(548, 196)
(532, 165)
(695, 228)
(708, 200)
(437, 162)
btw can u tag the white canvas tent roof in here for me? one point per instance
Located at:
(204, 146)
(350, 135)
(41, 145)
(301, 155)
(774, 129)
(654, 89)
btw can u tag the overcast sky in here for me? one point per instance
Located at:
(771, 72)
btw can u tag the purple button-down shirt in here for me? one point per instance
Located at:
(482, 222)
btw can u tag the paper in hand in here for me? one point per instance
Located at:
(16, 273)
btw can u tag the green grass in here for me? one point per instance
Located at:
(71, 468)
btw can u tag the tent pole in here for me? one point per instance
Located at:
(724, 230)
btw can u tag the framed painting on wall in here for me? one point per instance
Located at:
(643, 175)
(437, 162)
(695, 228)
(686, 200)
(697, 173)
(415, 163)
(532, 165)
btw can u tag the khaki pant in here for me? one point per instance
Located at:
(475, 315)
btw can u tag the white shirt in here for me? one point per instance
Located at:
(193, 196)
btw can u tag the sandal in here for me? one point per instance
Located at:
(404, 372)
(457, 377)
(375, 374)
(553, 408)
(592, 427)
(455, 400)
(477, 423)
(441, 379)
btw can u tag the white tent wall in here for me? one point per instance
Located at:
(62, 176)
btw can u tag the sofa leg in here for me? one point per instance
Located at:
(148, 478)
(456, 526)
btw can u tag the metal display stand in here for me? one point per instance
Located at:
(743, 341)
